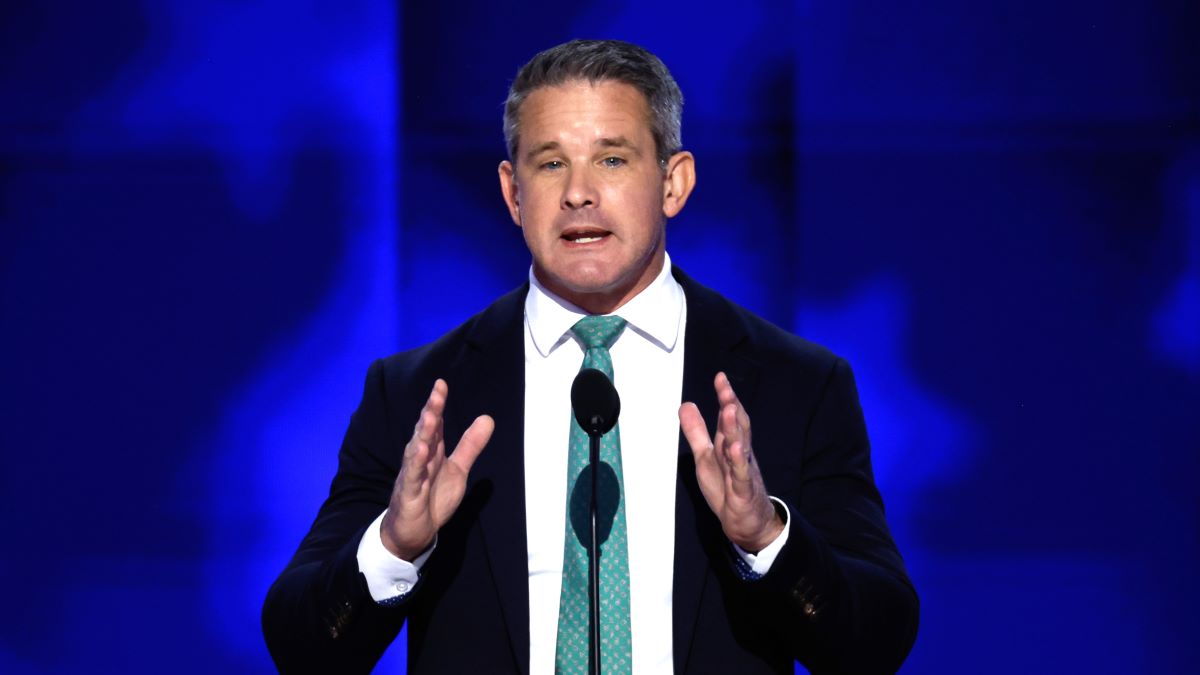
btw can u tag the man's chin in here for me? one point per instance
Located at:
(587, 278)
(590, 292)
(591, 285)
(592, 288)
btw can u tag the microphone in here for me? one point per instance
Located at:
(597, 405)
(595, 402)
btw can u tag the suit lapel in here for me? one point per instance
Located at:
(711, 339)
(492, 371)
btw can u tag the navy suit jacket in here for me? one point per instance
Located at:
(837, 598)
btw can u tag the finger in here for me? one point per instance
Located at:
(724, 388)
(704, 448)
(472, 443)
(695, 431)
(708, 470)
(437, 396)
(429, 421)
(437, 448)
(415, 468)
(740, 471)
(727, 436)
(726, 396)
(425, 439)
(730, 431)
(438, 444)
(736, 454)
(437, 457)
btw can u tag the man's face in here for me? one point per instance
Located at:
(588, 192)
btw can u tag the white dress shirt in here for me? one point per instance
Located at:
(648, 374)
(647, 362)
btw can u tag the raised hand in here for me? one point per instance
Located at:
(430, 485)
(728, 475)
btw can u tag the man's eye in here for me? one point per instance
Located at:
(613, 162)
(553, 164)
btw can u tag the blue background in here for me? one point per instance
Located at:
(214, 214)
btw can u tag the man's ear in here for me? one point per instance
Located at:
(510, 191)
(679, 178)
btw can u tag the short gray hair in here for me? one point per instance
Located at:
(598, 61)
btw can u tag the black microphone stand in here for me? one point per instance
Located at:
(596, 406)
(594, 549)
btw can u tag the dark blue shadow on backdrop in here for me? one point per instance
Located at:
(214, 215)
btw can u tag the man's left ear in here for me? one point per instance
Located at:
(679, 178)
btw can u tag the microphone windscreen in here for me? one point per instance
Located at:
(595, 401)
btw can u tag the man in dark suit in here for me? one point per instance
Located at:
(776, 548)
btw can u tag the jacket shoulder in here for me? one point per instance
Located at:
(758, 339)
(422, 365)
(773, 341)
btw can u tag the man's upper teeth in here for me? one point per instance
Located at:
(588, 239)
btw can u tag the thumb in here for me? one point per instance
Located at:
(694, 429)
(472, 443)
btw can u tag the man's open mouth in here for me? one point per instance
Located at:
(585, 236)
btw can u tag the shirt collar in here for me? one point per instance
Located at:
(654, 313)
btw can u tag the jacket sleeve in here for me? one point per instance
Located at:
(838, 591)
(319, 615)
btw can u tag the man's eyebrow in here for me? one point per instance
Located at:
(616, 142)
(539, 149)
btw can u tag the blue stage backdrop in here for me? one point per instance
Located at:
(214, 215)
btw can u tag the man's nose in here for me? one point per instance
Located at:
(580, 189)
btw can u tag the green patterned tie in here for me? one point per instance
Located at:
(572, 653)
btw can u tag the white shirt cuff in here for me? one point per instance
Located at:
(760, 563)
(388, 577)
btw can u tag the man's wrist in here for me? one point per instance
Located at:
(389, 578)
(774, 528)
(753, 566)
(401, 551)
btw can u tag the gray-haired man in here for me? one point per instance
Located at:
(731, 551)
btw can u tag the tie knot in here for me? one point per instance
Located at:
(598, 331)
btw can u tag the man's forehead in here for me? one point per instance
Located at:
(551, 107)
